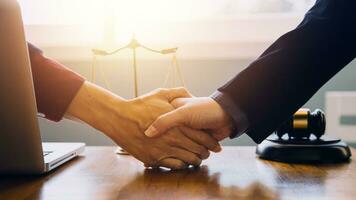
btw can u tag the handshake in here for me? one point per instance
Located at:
(164, 128)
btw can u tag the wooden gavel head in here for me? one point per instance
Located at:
(303, 124)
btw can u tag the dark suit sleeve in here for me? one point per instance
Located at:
(293, 68)
(55, 85)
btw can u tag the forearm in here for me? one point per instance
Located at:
(94, 106)
(292, 69)
(55, 85)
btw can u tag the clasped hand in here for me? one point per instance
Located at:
(124, 121)
(178, 148)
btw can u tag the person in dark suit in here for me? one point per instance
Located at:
(277, 83)
(61, 93)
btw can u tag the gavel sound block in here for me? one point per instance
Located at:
(301, 139)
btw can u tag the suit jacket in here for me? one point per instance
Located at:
(55, 85)
(292, 69)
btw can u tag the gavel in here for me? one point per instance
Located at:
(303, 124)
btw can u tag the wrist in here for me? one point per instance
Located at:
(226, 119)
(230, 106)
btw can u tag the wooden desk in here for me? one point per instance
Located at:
(235, 173)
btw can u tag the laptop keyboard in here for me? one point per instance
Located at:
(45, 153)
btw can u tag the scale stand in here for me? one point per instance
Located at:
(133, 45)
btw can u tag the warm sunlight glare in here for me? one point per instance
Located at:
(152, 21)
(117, 20)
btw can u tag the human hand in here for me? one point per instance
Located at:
(124, 121)
(145, 109)
(198, 113)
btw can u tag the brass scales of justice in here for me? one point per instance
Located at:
(174, 75)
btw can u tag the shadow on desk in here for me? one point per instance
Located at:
(193, 183)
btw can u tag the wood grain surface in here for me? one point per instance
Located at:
(235, 173)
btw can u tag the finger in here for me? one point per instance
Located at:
(172, 163)
(179, 102)
(184, 142)
(168, 162)
(186, 156)
(221, 133)
(165, 122)
(202, 138)
(179, 92)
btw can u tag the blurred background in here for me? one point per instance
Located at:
(216, 40)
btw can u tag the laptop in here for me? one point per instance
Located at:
(21, 148)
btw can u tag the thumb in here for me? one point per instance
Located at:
(165, 122)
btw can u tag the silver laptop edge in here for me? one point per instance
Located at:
(60, 153)
(21, 149)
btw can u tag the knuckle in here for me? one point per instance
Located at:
(184, 91)
(202, 138)
(204, 153)
(170, 140)
(175, 103)
(199, 149)
(208, 141)
(211, 143)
